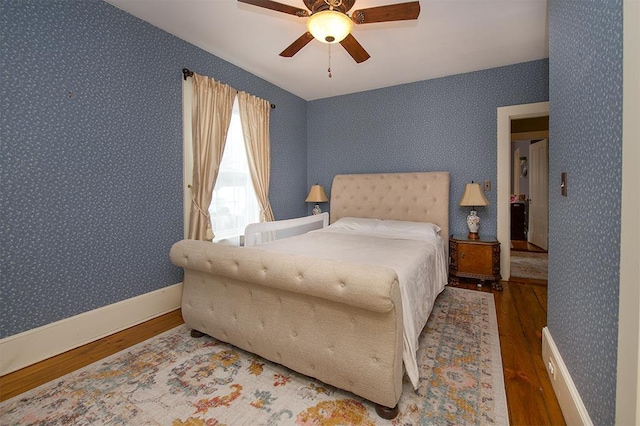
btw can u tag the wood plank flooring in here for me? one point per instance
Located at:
(520, 308)
(35, 375)
(518, 245)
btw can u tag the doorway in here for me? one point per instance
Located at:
(529, 206)
(504, 165)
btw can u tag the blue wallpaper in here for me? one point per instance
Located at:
(91, 156)
(442, 124)
(585, 140)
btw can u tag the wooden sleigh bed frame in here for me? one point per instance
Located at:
(335, 321)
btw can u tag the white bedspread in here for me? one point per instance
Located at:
(418, 260)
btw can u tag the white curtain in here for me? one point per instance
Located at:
(211, 111)
(254, 116)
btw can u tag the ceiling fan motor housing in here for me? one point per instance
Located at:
(319, 5)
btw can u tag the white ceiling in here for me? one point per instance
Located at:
(449, 37)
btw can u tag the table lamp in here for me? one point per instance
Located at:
(473, 197)
(317, 195)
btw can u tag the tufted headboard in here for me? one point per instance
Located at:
(415, 197)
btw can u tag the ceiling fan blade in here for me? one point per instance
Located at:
(355, 49)
(348, 4)
(278, 7)
(392, 12)
(295, 47)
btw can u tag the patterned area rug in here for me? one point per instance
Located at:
(529, 265)
(174, 379)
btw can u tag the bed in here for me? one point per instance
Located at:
(336, 312)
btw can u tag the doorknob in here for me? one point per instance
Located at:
(563, 184)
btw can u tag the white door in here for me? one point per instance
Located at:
(539, 193)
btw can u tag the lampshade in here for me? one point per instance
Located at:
(329, 26)
(473, 196)
(317, 195)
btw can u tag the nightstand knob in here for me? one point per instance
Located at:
(462, 255)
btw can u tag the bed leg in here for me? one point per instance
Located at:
(386, 412)
(196, 334)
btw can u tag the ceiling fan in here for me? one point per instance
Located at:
(328, 21)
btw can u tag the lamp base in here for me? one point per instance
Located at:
(473, 222)
(316, 209)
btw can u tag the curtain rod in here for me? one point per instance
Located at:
(186, 73)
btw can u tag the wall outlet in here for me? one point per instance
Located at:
(552, 369)
(487, 185)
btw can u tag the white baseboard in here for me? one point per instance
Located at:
(573, 409)
(38, 344)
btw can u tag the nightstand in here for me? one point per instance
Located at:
(475, 259)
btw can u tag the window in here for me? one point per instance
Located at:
(234, 204)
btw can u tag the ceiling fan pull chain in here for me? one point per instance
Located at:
(329, 69)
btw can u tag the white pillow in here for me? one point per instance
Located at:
(413, 228)
(356, 224)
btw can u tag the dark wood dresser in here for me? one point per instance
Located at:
(518, 221)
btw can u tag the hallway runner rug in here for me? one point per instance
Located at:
(174, 379)
(529, 265)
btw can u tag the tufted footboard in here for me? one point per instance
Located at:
(338, 322)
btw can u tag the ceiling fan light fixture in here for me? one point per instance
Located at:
(329, 26)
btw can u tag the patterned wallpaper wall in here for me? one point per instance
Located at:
(442, 124)
(91, 156)
(585, 140)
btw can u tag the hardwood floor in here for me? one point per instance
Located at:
(521, 309)
(35, 375)
(518, 245)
